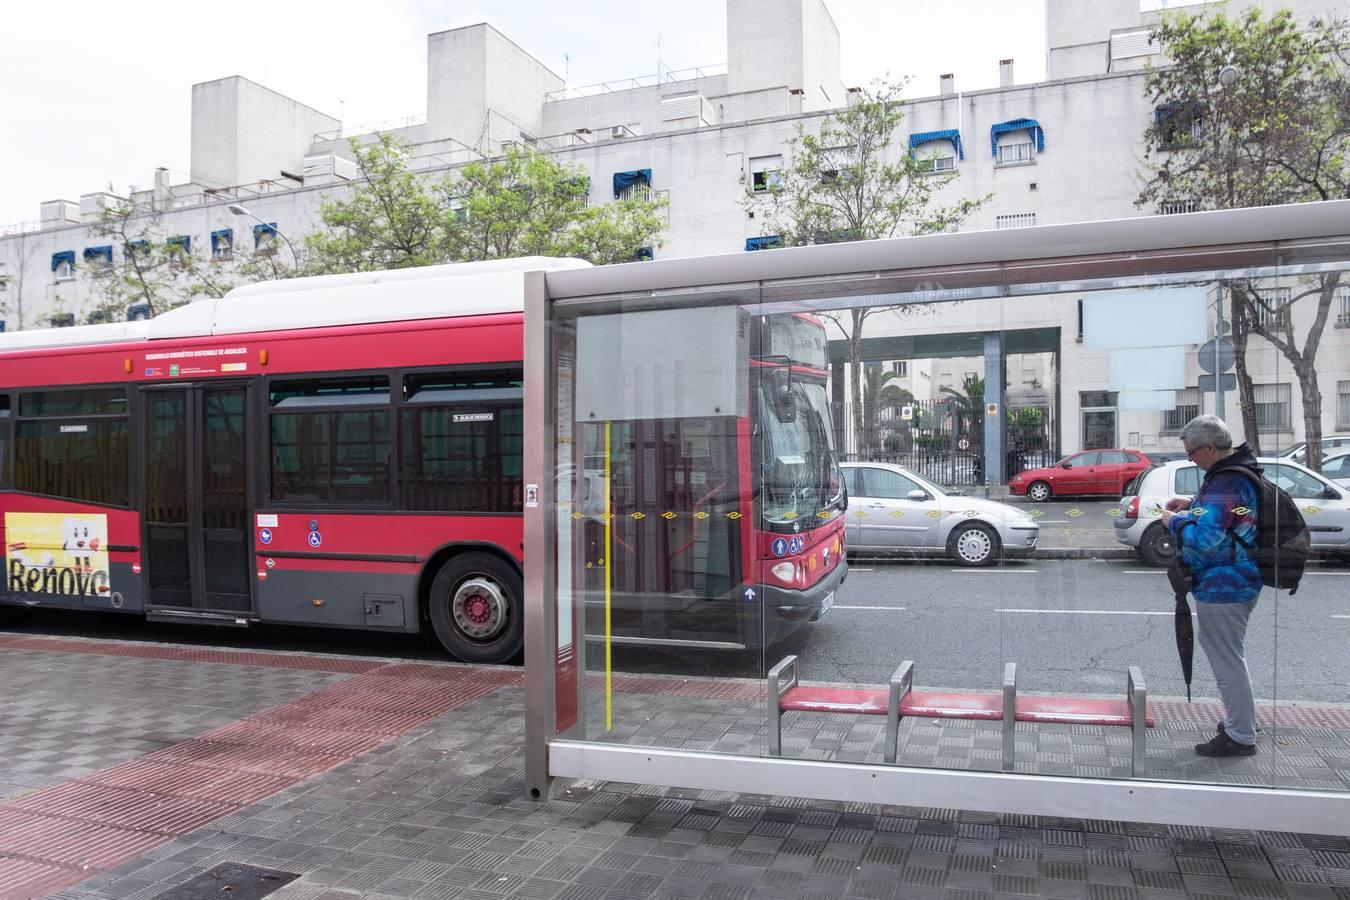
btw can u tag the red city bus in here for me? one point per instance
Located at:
(341, 451)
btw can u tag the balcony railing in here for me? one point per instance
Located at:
(642, 81)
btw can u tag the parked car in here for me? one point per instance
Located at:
(1090, 472)
(1337, 468)
(894, 510)
(1324, 505)
(1331, 445)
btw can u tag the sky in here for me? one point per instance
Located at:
(98, 94)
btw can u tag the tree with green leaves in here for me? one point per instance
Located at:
(846, 181)
(1255, 111)
(529, 204)
(880, 393)
(18, 265)
(967, 403)
(526, 203)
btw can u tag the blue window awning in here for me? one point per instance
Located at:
(1030, 126)
(140, 246)
(182, 241)
(928, 137)
(99, 254)
(64, 256)
(642, 254)
(262, 231)
(767, 242)
(623, 180)
(223, 234)
(137, 311)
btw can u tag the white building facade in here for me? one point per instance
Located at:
(1065, 150)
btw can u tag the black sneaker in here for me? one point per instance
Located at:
(1223, 745)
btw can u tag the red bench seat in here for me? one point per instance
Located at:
(1078, 712)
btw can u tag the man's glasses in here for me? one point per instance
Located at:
(1190, 454)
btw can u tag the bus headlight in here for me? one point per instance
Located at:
(785, 572)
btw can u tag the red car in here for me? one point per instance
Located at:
(1089, 472)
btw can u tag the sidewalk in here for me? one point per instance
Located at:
(129, 770)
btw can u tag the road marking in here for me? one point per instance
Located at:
(896, 608)
(1145, 572)
(1341, 617)
(1325, 574)
(1052, 521)
(1090, 612)
(856, 569)
(996, 571)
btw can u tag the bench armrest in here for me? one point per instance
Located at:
(782, 678)
(901, 684)
(1009, 715)
(1136, 698)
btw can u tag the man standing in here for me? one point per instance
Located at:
(1212, 533)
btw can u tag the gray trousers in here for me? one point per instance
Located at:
(1223, 633)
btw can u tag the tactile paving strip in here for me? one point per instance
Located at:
(193, 654)
(61, 835)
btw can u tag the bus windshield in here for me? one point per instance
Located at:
(798, 470)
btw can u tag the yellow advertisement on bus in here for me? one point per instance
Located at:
(56, 553)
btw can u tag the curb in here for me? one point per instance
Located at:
(1083, 553)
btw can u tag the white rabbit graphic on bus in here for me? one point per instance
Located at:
(56, 553)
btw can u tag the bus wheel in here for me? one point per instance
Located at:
(477, 610)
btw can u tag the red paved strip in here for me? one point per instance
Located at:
(194, 654)
(59, 836)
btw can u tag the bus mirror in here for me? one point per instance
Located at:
(780, 393)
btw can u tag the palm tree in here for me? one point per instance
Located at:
(968, 404)
(879, 394)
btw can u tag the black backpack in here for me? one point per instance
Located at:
(1282, 538)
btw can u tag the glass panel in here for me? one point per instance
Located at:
(464, 458)
(77, 461)
(331, 457)
(225, 499)
(94, 402)
(166, 498)
(330, 391)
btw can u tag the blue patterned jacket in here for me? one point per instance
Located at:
(1224, 572)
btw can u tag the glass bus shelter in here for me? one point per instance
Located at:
(750, 568)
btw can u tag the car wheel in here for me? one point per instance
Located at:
(1038, 492)
(1156, 546)
(974, 545)
(476, 608)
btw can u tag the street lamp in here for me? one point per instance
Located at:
(1229, 75)
(239, 210)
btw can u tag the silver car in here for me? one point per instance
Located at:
(894, 510)
(1325, 506)
(1337, 468)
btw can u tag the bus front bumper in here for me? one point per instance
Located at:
(787, 608)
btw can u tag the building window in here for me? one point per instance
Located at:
(766, 173)
(62, 320)
(642, 254)
(330, 441)
(1342, 405)
(63, 265)
(1187, 408)
(1178, 125)
(99, 259)
(1017, 140)
(1015, 220)
(1342, 307)
(1177, 207)
(633, 185)
(222, 243)
(1272, 407)
(180, 248)
(1272, 307)
(766, 242)
(1015, 152)
(265, 237)
(900, 368)
(138, 311)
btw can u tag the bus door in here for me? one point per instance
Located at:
(195, 499)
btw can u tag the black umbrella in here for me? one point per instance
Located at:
(1180, 577)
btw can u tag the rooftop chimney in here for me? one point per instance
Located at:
(1005, 73)
(947, 84)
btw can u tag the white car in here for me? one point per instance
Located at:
(892, 510)
(1332, 444)
(1337, 467)
(1325, 506)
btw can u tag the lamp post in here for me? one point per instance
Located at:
(239, 210)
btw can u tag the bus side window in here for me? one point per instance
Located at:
(72, 443)
(4, 441)
(330, 441)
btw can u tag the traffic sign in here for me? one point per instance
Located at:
(1213, 359)
(963, 444)
(906, 413)
(1206, 383)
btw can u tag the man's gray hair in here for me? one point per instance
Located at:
(1207, 430)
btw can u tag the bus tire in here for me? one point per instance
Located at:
(477, 608)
